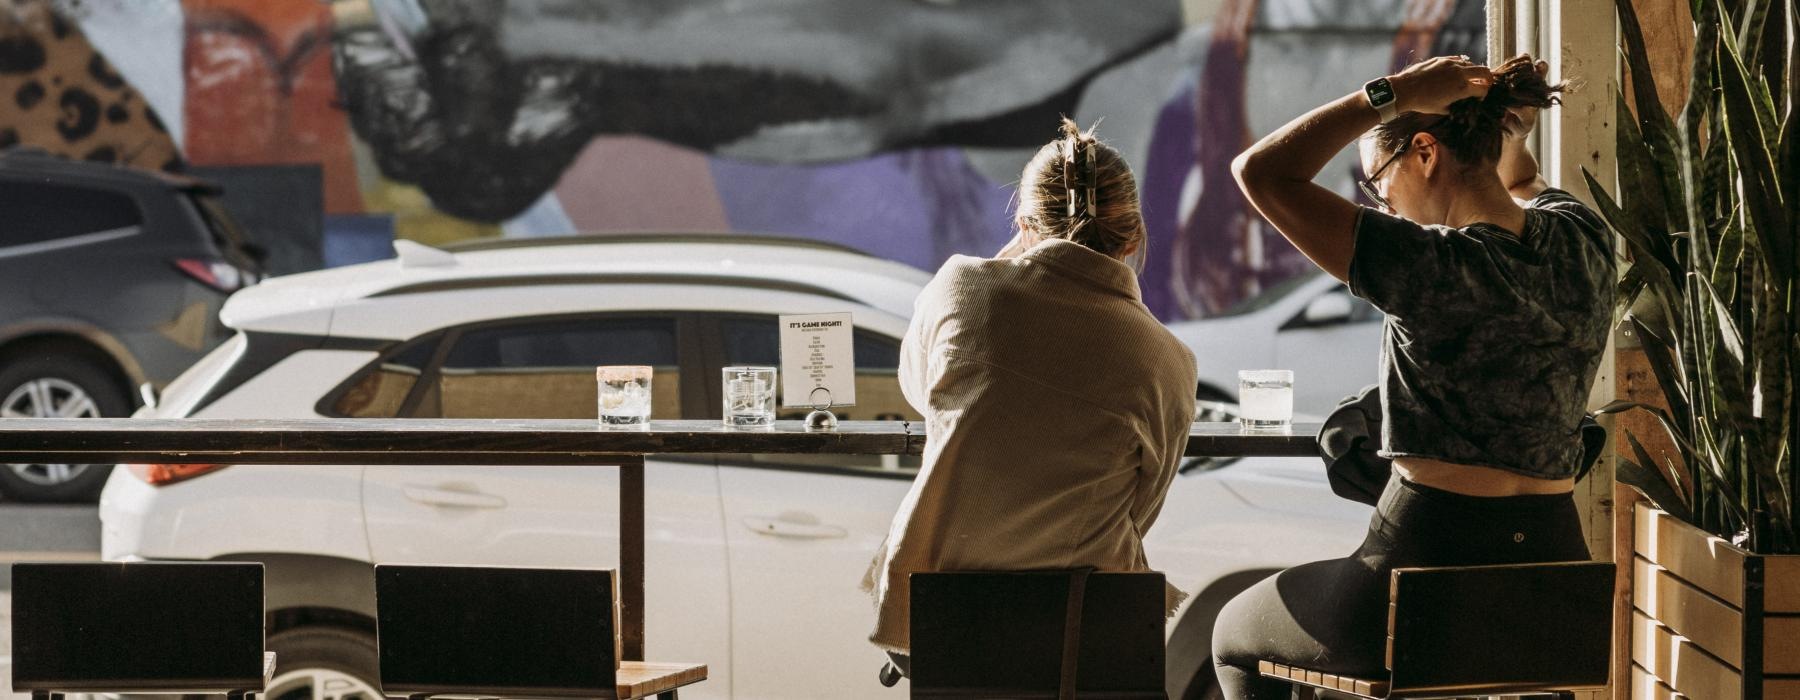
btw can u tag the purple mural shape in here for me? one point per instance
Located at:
(483, 105)
(1222, 251)
(918, 206)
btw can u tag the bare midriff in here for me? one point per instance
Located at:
(1471, 480)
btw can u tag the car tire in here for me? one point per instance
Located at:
(318, 662)
(23, 383)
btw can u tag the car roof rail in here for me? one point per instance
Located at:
(628, 237)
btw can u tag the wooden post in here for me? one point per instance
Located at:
(631, 558)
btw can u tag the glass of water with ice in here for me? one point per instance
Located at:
(624, 396)
(1265, 399)
(749, 397)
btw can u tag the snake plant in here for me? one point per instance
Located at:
(1708, 206)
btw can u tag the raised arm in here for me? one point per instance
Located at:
(1518, 168)
(1277, 172)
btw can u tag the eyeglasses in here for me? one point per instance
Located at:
(1368, 183)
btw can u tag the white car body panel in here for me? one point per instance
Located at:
(1329, 361)
(410, 315)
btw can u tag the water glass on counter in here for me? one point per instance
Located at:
(749, 397)
(624, 396)
(1266, 399)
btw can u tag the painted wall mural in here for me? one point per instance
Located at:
(894, 126)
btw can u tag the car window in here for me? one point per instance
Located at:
(755, 340)
(546, 369)
(42, 213)
(381, 390)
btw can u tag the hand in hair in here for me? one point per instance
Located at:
(1431, 86)
(1522, 118)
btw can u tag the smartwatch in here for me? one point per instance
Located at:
(1380, 94)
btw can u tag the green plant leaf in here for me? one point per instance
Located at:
(1728, 257)
(1641, 183)
(1730, 339)
(1655, 487)
(1662, 416)
(1657, 129)
(1646, 248)
(1701, 97)
(1761, 189)
(1660, 353)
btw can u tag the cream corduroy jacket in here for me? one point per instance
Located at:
(1058, 409)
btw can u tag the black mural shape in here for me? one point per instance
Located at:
(486, 132)
(80, 114)
(20, 53)
(103, 73)
(29, 95)
(462, 102)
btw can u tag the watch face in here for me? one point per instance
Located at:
(1380, 92)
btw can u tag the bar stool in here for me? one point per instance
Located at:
(1054, 634)
(510, 633)
(1457, 632)
(189, 628)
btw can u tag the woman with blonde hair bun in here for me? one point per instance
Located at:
(1058, 406)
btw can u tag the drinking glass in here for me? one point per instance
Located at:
(1265, 398)
(624, 396)
(749, 397)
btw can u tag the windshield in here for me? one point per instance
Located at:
(1270, 295)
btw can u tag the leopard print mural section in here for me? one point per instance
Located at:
(60, 94)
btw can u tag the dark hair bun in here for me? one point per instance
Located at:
(1475, 127)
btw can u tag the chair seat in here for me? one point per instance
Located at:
(642, 679)
(1362, 687)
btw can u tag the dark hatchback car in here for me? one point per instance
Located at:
(110, 278)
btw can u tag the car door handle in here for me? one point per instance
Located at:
(448, 498)
(787, 527)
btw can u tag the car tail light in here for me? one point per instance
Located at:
(217, 274)
(165, 474)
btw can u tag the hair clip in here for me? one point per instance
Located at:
(1068, 175)
(1093, 181)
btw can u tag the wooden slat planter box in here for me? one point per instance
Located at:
(1710, 620)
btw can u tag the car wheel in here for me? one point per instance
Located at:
(324, 663)
(57, 387)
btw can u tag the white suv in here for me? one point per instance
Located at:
(753, 560)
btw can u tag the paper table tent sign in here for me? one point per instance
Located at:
(818, 361)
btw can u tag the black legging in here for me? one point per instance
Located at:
(1331, 616)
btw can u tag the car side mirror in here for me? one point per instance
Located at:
(1335, 307)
